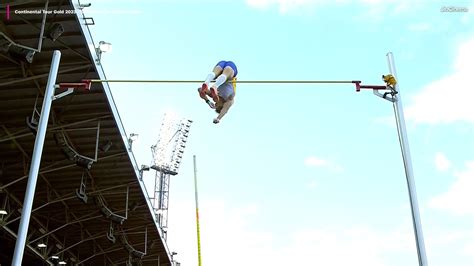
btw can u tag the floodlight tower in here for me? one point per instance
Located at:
(167, 157)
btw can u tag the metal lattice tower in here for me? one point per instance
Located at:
(167, 157)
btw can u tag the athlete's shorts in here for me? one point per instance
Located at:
(231, 64)
(226, 90)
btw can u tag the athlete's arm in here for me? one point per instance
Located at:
(225, 108)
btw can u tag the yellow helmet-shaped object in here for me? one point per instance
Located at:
(389, 79)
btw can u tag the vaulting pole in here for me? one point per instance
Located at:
(197, 212)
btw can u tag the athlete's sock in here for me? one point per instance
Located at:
(220, 80)
(209, 77)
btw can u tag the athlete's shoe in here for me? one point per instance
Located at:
(203, 90)
(214, 94)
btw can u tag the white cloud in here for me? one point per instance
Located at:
(326, 247)
(313, 161)
(224, 233)
(441, 161)
(360, 246)
(449, 243)
(313, 184)
(229, 237)
(448, 99)
(468, 249)
(458, 199)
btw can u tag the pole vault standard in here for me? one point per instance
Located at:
(49, 97)
(403, 137)
(392, 94)
(35, 161)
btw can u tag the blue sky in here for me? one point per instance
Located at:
(304, 174)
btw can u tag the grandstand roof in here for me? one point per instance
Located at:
(72, 229)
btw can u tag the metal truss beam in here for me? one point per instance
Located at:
(27, 133)
(65, 225)
(20, 203)
(103, 252)
(44, 171)
(94, 237)
(68, 198)
(8, 230)
(39, 76)
(54, 191)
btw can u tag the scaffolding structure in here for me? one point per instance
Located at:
(167, 156)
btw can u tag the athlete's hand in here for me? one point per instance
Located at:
(211, 104)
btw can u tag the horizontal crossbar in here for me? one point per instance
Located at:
(87, 82)
(237, 81)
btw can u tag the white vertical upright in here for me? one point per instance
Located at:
(35, 161)
(402, 133)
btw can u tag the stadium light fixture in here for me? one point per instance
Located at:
(133, 137)
(22, 53)
(55, 31)
(3, 208)
(103, 47)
